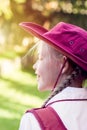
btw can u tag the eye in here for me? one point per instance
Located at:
(40, 57)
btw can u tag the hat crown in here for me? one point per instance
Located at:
(71, 37)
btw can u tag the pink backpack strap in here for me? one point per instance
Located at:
(48, 119)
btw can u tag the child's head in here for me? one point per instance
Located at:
(48, 67)
(66, 64)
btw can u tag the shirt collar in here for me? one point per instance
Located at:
(70, 93)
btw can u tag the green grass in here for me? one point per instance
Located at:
(10, 54)
(18, 92)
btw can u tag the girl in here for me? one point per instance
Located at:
(62, 69)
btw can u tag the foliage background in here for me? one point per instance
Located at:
(18, 90)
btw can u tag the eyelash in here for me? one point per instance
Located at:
(40, 58)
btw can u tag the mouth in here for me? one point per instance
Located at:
(38, 77)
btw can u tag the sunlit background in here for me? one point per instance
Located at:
(18, 85)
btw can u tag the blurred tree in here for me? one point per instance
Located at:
(44, 12)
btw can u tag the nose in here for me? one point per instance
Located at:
(35, 66)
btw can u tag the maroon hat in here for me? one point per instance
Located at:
(69, 39)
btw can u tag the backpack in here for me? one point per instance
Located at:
(48, 118)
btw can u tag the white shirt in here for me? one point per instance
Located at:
(72, 113)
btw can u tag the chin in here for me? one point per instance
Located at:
(42, 89)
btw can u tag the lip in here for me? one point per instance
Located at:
(37, 74)
(38, 77)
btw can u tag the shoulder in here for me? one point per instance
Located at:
(29, 122)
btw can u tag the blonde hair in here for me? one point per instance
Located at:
(75, 74)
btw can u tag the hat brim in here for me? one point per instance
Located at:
(40, 32)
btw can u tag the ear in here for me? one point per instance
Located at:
(66, 67)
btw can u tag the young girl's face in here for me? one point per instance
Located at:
(46, 68)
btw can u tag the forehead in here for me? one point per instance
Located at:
(43, 49)
(46, 49)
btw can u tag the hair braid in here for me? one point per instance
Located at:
(68, 81)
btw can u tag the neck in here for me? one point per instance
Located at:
(74, 83)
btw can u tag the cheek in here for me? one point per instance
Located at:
(48, 72)
(43, 66)
(52, 73)
(54, 70)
